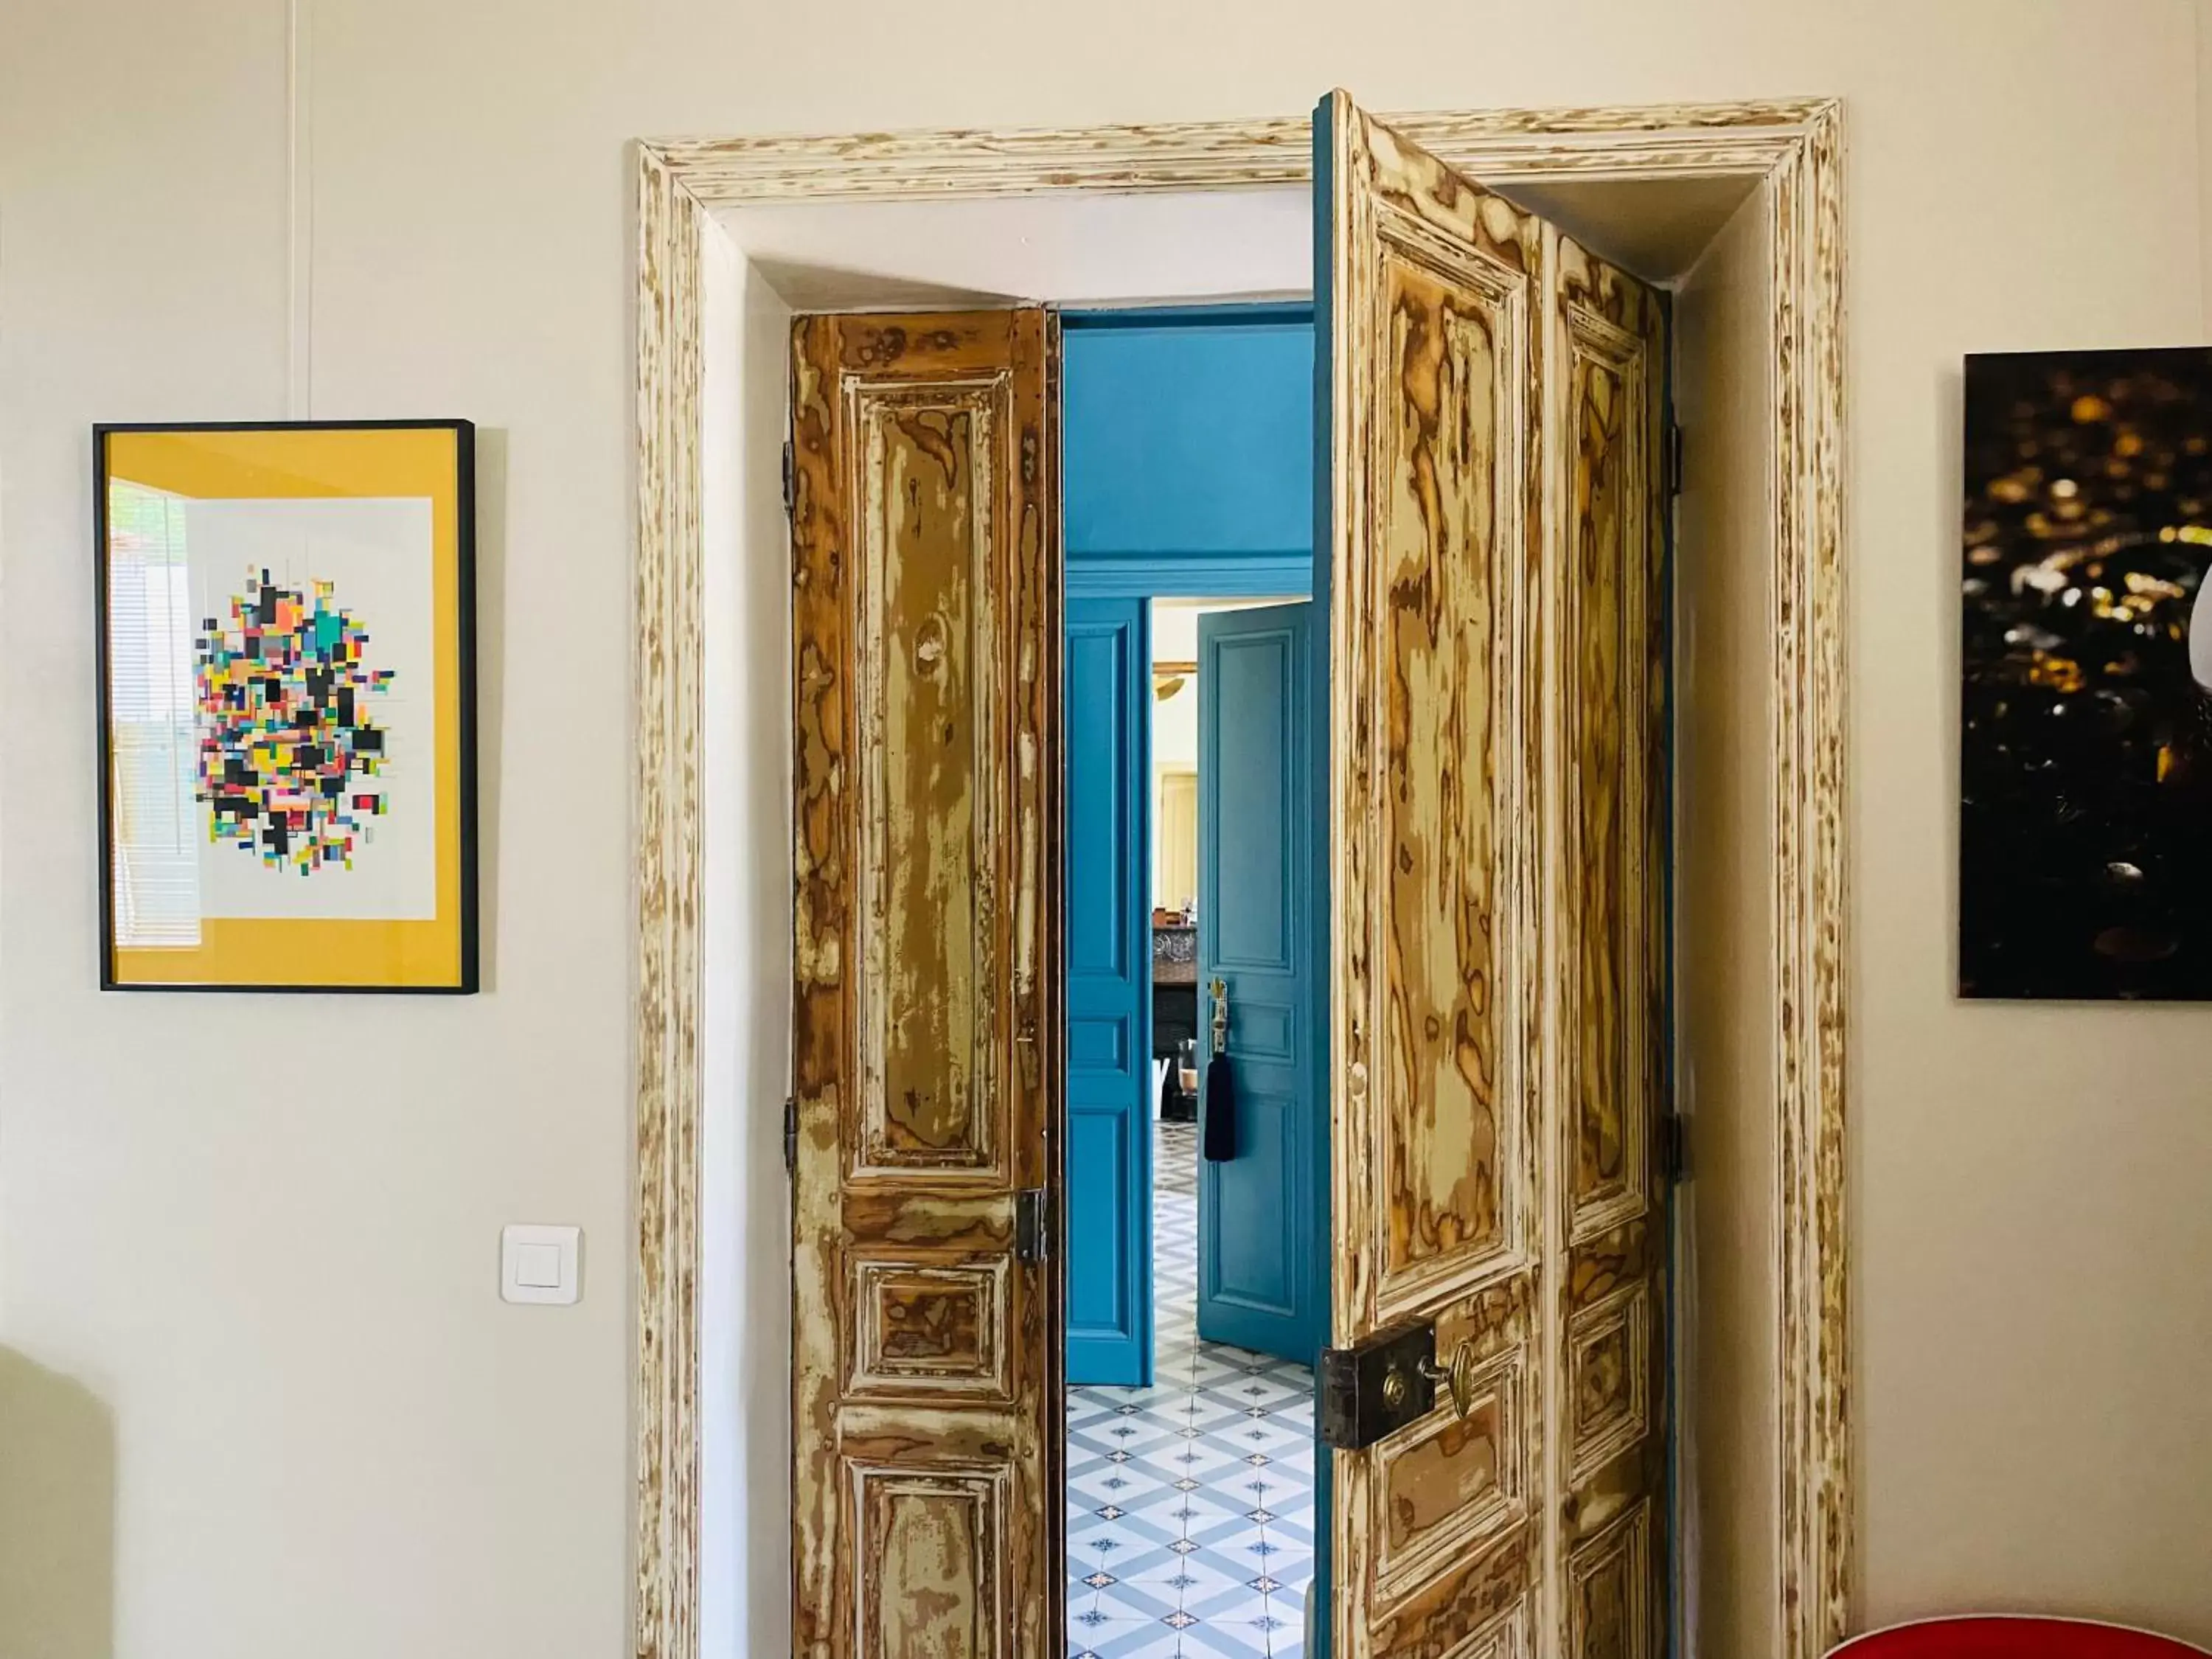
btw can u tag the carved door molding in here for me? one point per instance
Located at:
(1793, 147)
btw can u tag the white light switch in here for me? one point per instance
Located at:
(539, 1264)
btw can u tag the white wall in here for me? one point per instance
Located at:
(257, 1394)
(1726, 1340)
(744, 1279)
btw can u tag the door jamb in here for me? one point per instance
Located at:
(1203, 576)
(1794, 149)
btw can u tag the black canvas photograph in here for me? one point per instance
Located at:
(2085, 824)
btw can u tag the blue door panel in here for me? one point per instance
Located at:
(1109, 1150)
(1257, 1260)
(1258, 1264)
(1098, 741)
(1099, 1289)
(1252, 676)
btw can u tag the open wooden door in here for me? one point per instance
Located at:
(926, 658)
(1490, 430)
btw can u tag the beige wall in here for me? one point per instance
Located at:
(256, 1395)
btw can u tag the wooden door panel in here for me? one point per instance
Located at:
(1496, 705)
(1439, 320)
(1447, 1487)
(929, 1080)
(1608, 553)
(1506, 1637)
(926, 647)
(1435, 1022)
(930, 1329)
(943, 1536)
(1608, 331)
(1613, 1606)
(1609, 1390)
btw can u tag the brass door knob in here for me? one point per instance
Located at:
(1458, 1377)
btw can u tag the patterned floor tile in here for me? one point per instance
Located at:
(1152, 1639)
(1190, 1506)
(1082, 1645)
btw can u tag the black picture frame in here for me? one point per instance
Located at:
(468, 980)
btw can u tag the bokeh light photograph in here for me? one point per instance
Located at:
(2086, 767)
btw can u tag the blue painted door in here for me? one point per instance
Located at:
(1258, 1263)
(1109, 989)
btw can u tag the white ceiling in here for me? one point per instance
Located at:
(1073, 248)
(1087, 248)
(1656, 228)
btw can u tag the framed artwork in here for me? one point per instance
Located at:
(2085, 824)
(287, 706)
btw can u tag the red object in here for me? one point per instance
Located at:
(1997, 1637)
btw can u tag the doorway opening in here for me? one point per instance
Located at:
(1191, 1511)
(1195, 1265)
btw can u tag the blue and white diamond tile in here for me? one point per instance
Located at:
(1190, 1505)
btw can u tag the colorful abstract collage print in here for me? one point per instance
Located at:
(290, 759)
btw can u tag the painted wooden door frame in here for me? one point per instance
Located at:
(1795, 148)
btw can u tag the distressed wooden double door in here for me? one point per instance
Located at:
(1490, 555)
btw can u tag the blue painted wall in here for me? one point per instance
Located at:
(1186, 440)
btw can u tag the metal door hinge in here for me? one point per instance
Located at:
(1674, 1148)
(790, 479)
(1032, 1233)
(790, 1135)
(1376, 1387)
(1674, 458)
